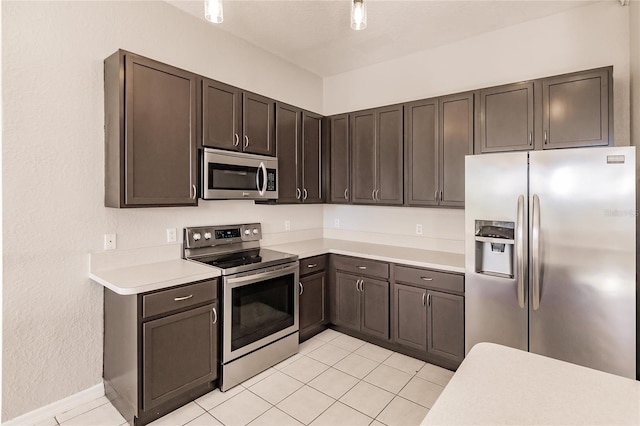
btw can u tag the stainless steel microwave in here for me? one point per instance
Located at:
(237, 175)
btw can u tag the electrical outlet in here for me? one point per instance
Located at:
(336, 223)
(419, 229)
(171, 235)
(287, 225)
(109, 241)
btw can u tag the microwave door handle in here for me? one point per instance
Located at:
(261, 169)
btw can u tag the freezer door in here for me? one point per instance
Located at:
(495, 269)
(583, 227)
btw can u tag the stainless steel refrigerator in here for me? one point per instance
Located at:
(550, 254)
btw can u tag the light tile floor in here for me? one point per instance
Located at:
(334, 380)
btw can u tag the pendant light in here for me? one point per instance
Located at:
(213, 11)
(358, 15)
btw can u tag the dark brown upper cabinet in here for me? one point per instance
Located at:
(577, 109)
(455, 122)
(237, 120)
(377, 156)
(299, 147)
(505, 118)
(340, 155)
(150, 139)
(439, 133)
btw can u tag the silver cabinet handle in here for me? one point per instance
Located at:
(215, 316)
(377, 195)
(545, 137)
(236, 139)
(194, 190)
(362, 286)
(301, 288)
(312, 265)
(435, 195)
(426, 278)
(357, 285)
(304, 193)
(345, 194)
(424, 296)
(362, 267)
(530, 138)
(298, 193)
(246, 141)
(178, 299)
(535, 248)
(428, 299)
(520, 251)
(373, 195)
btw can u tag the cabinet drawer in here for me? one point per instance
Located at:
(430, 279)
(178, 298)
(312, 264)
(359, 266)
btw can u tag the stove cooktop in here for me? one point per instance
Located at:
(247, 260)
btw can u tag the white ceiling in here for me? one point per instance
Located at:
(316, 35)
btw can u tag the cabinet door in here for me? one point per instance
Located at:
(456, 141)
(160, 115)
(312, 158)
(445, 325)
(288, 132)
(506, 118)
(221, 110)
(312, 301)
(421, 136)
(258, 124)
(389, 158)
(339, 136)
(347, 299)
(410, 316)
(375, 308)
(575, 110)
(179, 353)
(363, 157)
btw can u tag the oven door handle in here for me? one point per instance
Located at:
(261, 169)
(261, 276)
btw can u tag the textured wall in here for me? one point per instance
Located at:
(53, 160)
(582, 38)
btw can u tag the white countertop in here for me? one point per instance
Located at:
(153, 276)
(451, 262)
(497, 385)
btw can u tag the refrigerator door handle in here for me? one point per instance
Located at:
(535, 255)
(520, 251)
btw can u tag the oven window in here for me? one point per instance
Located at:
(261, 309)
(229, 176)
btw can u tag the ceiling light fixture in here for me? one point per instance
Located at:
(213, 11)
(358, 15)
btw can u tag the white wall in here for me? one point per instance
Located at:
(634, 53)
(582, 38)
(53, 152)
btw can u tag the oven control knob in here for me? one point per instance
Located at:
(207, 235)
(255, 231)
(196, 236)
(247, 232)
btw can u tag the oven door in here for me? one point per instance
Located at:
(234, 175)
(259, 308)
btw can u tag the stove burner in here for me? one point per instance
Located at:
(234, 261)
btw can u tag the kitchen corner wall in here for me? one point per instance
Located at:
(53, 174)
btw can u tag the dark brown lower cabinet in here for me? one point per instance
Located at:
(410, 325)
(179, 352)
(160, 349)
(362, 304)
(312, 303)
(445, 325)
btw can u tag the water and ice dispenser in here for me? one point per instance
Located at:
(494, 248)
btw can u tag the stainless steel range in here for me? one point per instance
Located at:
(259, 297)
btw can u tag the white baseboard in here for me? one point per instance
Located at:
(48, 411)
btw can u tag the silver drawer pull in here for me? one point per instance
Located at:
(362, 267)
(178, 299)
(312, 265)
(426, 279)
(215, 316)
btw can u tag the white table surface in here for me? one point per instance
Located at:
(497, 385)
